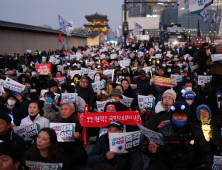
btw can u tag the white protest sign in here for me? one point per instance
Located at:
(52, 59)
(98, 86)
(1, 87)
(108, 72)
(132, 55)
(91, 74)
(216, 58)
(113, 56)
(119, 142)
(194, 67)
(13, 87)
(44, 59)
(33, 165)
(102, 56)
(85, 71)
(125, 63)
(101, 105)
(90, 63)
(74, 72)
(146, 102)
(169, 55)
(168, 52)
(64, 131)
(60, 68)
(147, 69)
(72, 57)
(96, 78)
(126, 101)
(27, 131)
(204, 79)
(158, 55)
(134, 86)
(69, 97)
(29, 51)
(140, 54)
(216, 165)
(177, 78)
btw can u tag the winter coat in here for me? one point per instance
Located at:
(43, 122)
(131, 94)
(141, 83)
(67, 146)
(156, 118)
(128, 161)
(50, 113)
(82, 104)
(87, 94)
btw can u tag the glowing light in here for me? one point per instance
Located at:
(183, 91)
(182, 107)
(172, 108)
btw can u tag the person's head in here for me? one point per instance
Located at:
(160, 72)
(139, 68)
(168, 98)
(47, 95)
(142, 75)
(125, 84)
(120, 87)
(84, 82)
(189, 97)
(104, 78)
(110, 107)
(180, 115)
(11, 100)
(53, 86)
(58, 74)
(219, 49)
(203, 112)
(176, 71)
(46, 141)
(205, 45)
(128, 78)
(116, 95)
(187, 83)
(35, 108)
(10, 156)
(69, 89)
(76, 79)
(5, 123)
(115, 127)
(67, 109)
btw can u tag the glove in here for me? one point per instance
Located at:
(152, 81)
(103, 92)
(98, 92)
(174, 83)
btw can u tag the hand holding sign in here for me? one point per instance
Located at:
(152, 147)
(77, 135)
(110, 155)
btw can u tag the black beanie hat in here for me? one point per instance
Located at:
(5, 117)
(52, 83)
(70, 89)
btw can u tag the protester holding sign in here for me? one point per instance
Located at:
(74, 150)
(46, 149)
(102, 95)
(161, 117)
(101, 153)
(185, 140)
(116, 96)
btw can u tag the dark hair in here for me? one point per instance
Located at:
(120, 86)
(41, 112)
(187, 81)
(53, 153)
(96, 73)
(9, 148)
(59, 72)
(108, 103)
(124, 80)
(103, 166)
(49, 94)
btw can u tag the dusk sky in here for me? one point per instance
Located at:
(38, 12)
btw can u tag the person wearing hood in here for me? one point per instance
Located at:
(102, 154)
(14, 106)
(23, 78)
(211, 127)
(51, 111)
(188, 148)
(74, 150)
(161, 116)
(167, 72)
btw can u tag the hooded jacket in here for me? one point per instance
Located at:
(156, 118)
(120, 161)
(189, 149)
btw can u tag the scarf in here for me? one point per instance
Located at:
(166, 106)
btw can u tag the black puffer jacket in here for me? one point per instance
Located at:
(87, 94)
(129, 161)
(189, 149)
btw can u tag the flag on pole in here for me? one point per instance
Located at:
(60, 37)
(138, 27)
(199, 33)
(63, 44)
(63, 24)
(196, 6)
(186, 3)
(203, 14)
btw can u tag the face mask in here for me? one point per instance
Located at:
(189, 102)
(169, 70)
(164, 65)
(188, 89)
(11, 102)
(179, 124)
(153, 69)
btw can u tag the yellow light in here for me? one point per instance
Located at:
(206, 131)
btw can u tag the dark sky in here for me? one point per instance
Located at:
(37, 12)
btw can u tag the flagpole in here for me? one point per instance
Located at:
(215, 22)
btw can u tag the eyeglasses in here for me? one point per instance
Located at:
(167, 97)
(177, 114)
(114, 96)
(84, 82)
(203, 112)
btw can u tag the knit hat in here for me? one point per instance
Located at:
(5, 117)
(117, 124)
(189, 95)
(201, 107)
(170, 93)
(70, 89)
(116, 92)
(52, 83)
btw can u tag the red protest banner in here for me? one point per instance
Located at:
(162, 81)
(106, 64)
(43, 69)
(102, 119)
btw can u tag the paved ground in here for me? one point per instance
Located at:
(89, 148)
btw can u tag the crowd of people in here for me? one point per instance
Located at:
(187, 114)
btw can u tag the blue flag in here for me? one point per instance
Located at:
(63, 44)
(63, 24)
(138, 27)
(186, 3)
(203, 14)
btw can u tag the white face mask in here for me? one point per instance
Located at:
(188, 89)
(169, 70)
(189, 102)
(164, 65)
(11, 102)
(153, 69)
